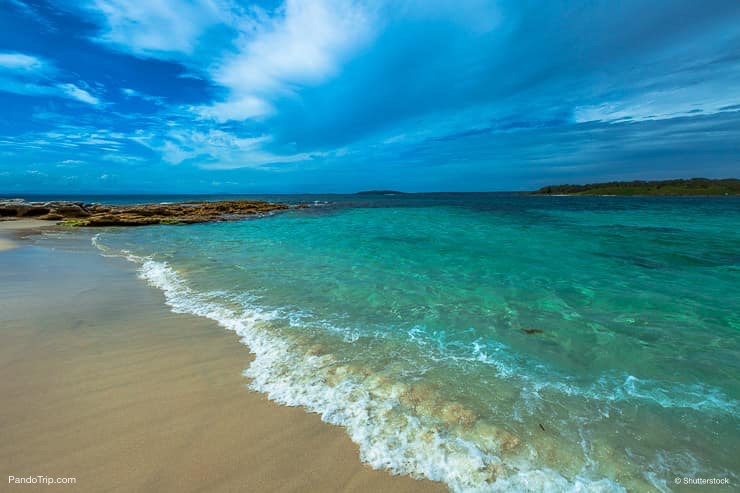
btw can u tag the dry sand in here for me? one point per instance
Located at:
(101, 382)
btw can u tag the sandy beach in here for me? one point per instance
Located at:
(102, 383)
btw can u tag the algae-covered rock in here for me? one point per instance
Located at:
(97, 215)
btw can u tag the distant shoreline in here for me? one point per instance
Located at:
(694, 187)
(662, 188)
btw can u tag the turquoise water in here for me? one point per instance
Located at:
(496, 343)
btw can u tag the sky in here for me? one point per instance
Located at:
(225, 96)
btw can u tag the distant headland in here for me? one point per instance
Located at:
(693, 186)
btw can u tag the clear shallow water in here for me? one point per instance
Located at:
(492, 342)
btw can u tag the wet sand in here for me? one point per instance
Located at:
(6, 244)
(101, 382)
(10, 230)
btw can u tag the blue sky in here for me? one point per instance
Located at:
(222, 96)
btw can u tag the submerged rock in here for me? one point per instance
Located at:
(81, 214)
(533, 331)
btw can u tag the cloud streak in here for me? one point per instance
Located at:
(156, 28)
(32, 76)
(21, 62)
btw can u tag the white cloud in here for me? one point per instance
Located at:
(257, 158)
(707, 98)
(265, 56)
(79, 94)
(32, 76)
(243, 108)
(132, 93)
(19, 86)
(157, 27)
(21, 62)
(258, 56)
(69, 137)
(215, 149)
(304, 43)
(687, 88)
(65, 90)
(70, 163)
(121, 158)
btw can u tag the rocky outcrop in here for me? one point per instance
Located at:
(82, 214)
(21, 208)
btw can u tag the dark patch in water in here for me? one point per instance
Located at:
(713, 259)
(652, 229)
(643, 262)
(533, 331)
(403, 239)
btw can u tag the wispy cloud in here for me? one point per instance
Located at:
(69, 137)
(260, 55)
(21, 62)
(30, 75)
(134, 94)
(78, 93)
(267, 55)
(215, 149)
(157, 28)
(32, 12)
(302, 43)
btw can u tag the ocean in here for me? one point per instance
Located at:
(493, 342)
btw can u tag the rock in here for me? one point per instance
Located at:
(67, 209)
(81, 214)
(51, 217)
(8, 209)
(21, 208)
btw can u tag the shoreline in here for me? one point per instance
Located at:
(131, 396)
